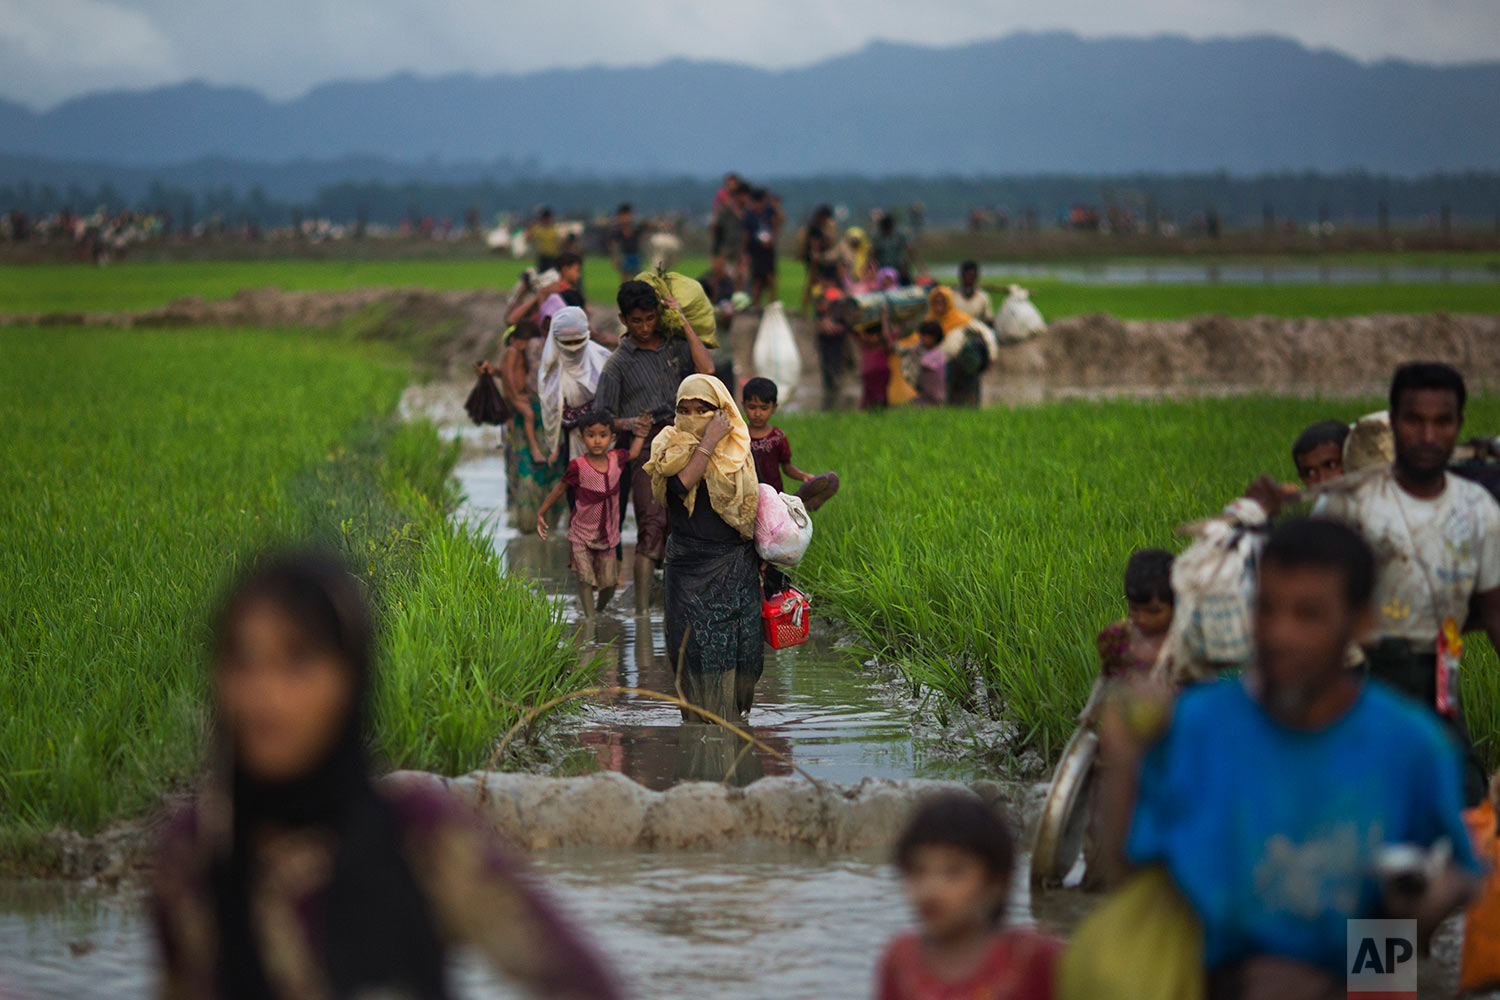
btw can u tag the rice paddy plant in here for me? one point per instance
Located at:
(140, 471)
(982, 551)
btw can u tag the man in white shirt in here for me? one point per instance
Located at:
(1436, 539)
(970, 298)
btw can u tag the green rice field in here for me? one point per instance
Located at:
(132, 285)
(141, 470)
(982, 551)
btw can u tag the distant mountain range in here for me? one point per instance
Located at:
(1026, 103)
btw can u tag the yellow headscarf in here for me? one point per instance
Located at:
(860, 245)
(951, 319)
(733, 488)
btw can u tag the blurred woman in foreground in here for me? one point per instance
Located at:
(292, 874)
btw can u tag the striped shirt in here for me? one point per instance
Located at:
(635, 379)
(596, 517)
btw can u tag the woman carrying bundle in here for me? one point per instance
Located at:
(702, 471)
(968, 344)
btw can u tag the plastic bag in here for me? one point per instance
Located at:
(1018, 319)
(783, 528)
(1143, 943)
(694, 301)
(1371, 443)
(663, 249)
(1214, 583)
(1479, 963)
(775, 355)
(485, 405)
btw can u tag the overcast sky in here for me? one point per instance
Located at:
(54, 49)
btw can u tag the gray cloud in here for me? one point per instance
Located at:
(53, 49)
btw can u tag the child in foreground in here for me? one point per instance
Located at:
(1130, 647)
(773, 452)
(956, 859)
(594, 531)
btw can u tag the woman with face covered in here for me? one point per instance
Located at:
(292, 874)
(569, 378)
(702, 471)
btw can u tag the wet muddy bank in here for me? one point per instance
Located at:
(610, 810)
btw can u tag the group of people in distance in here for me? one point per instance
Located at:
(745, 226)
(649, 426)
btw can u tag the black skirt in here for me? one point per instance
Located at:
(713, 602)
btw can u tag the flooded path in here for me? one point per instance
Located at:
(818, 705)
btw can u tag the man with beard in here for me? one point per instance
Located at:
(1436, 539)
(1272, 800)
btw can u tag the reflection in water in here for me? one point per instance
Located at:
(762, 920)
(815, 705)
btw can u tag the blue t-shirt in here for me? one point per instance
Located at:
(1271, 833)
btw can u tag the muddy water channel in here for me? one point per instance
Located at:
(818, 706)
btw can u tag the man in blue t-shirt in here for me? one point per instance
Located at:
(1270, 799)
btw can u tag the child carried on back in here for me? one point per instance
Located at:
(597, 477)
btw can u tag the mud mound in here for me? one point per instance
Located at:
(1343, 355)
(1091, 355)
(448, 330)
(610, 810)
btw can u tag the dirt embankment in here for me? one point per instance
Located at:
(448, 330)
(1099, 354)
(1093, 355)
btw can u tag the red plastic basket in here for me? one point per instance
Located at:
(788, 618)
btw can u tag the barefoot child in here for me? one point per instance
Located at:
(773, 452)
(956, 858)
(594, 530)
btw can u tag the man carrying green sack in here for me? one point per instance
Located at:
(1274, 808)
(693, 302)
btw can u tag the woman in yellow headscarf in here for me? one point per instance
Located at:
(702, 471)
(964, 367)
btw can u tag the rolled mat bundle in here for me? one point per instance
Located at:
(485, 405)
(862, 311)
(693, 299)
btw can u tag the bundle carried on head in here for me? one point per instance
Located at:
(693, 299)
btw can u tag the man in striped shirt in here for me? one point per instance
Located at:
(642, 376)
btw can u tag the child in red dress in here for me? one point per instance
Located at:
(956, 858)
(594, 530)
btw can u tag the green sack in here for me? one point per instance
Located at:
(694, 301)
(1143, 943)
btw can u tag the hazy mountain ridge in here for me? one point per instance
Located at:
(1021, 104)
